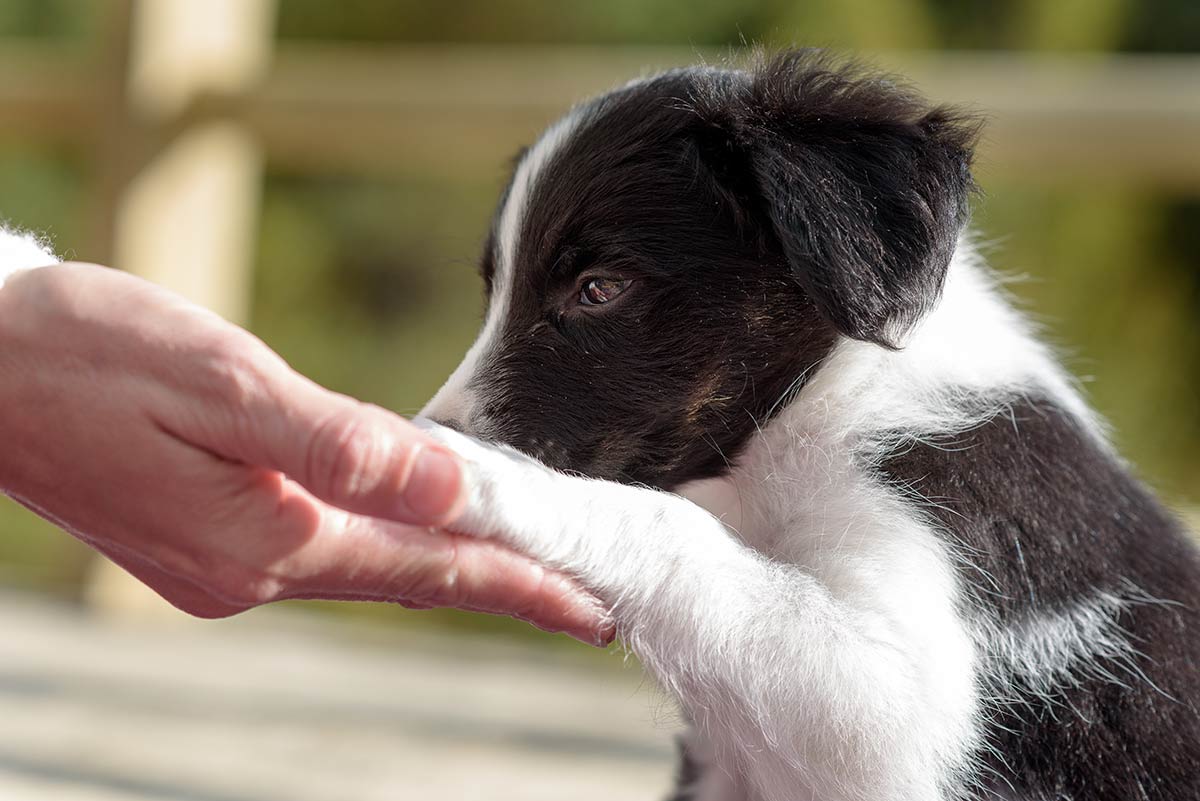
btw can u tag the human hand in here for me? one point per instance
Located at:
(185, 450)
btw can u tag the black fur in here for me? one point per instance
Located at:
(865, 186)
(1043, 518)
(687, 773)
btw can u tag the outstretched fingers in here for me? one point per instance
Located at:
(358, 557)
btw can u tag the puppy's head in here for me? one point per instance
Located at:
(671, 259)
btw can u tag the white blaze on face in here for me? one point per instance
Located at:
(456, 401)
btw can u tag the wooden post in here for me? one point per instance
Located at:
(185, 206)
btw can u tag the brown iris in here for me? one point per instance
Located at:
(601, 290)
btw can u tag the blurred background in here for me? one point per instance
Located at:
(323, 173)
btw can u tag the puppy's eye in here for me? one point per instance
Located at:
(601, 290)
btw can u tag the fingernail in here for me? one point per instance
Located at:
(602, 629)
(606, 635)
(434, 485)
(598, 636)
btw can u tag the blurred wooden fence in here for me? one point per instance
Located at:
(369, 110)
(179, 104)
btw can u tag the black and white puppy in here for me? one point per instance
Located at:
(845, 506)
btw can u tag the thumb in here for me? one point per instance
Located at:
(356, 456)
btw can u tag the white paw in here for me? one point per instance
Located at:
(511, 496)
(474, 451)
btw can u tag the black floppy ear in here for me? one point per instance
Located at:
(863, 185)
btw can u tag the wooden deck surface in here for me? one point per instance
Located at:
(279, 706)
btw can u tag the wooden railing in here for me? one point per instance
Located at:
(460, 108)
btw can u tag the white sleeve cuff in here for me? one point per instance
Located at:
(22, 251)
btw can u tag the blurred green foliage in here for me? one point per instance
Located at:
(370, 286)
(1121, 25)
(1160, 25)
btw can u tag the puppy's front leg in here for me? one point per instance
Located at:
(802, 694)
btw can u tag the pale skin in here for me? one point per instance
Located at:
(185, 450)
